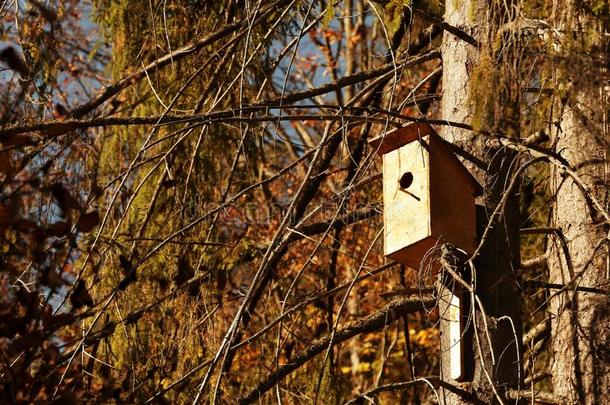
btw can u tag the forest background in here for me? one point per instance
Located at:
(190, 209)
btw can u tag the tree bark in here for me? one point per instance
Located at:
(499, 259)
(581, 320)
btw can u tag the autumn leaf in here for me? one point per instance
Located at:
(46, 12)
(25, 342)
(17, 140)
(14, 61)
(96, 190)
(125, 264)
(58, 229)
(64, 199)
(50, 353)
(168, 183)
(30, 227)
(130, 272)
(88, 221)
(185, 272)
(6, 215)
(59, 112)
(10, 268)
(6, 164)
(80, 296)
(53, 322)
(52, 278)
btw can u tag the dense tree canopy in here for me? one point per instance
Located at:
(190, 209)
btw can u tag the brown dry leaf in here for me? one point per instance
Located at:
(55, 322)
(50, 353)
(26, 342)
(64, 199)
(80, 296)
(6, 164)
(96, 190)
(6, 215)
(14, 60)
(59, 229)
(52, 279)
(46, 12)
(10, 268)
(17, 140)
(25, 225)
(88, 221)
(185, 272)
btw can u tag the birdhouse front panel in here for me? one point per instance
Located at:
(406, 198)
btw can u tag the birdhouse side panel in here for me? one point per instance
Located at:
(406, 197)
(453, 200)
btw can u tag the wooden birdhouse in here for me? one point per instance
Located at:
(428, 195)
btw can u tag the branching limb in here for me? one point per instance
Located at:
(433, 381)
(171, 57)
(537, 331)
(376, 321)
(534, 263)
(537, 397)
(459, 33)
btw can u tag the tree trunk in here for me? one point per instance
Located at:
(580, 324)
(499, 258)
(581, 321)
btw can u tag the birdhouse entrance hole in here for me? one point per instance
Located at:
(406, 180)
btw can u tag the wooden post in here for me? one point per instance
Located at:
(454, 307)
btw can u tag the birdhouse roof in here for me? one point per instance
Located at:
(392, 140)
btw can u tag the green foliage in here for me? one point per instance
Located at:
(329, 12)
(482, 92)
(394, 11)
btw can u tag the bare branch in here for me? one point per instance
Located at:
(538, 330)
(375, 321)
(434, 381)
(168, 59)
(537, 396)
(535, 262)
